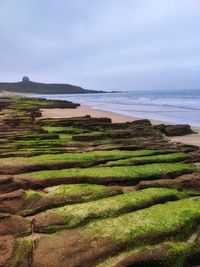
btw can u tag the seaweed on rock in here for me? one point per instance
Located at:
(88, 192)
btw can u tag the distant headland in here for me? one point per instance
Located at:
(28, 86)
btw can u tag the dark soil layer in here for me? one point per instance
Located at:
(84, 191)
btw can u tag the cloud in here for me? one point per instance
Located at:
(110, 44)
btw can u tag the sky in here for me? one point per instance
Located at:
(102, 44)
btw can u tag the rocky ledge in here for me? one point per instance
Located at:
(88, 192)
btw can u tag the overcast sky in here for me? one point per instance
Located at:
(102, 44)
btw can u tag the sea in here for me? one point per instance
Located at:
(172, 106)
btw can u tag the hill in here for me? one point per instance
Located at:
(43, 88)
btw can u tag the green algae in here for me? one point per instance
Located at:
(27, 103)
(173, 157)
(76, 214)
(85, 156)
(149, 224)
(175, 254)
(95, 135)
(59, 161)
(86, 192)
(37, 143)
(29, 152)
(123, 173)
(62, 129)
(32, 195)
(21, 252)
(65, 137)
(61, 195)
(136, 228)
(43, 136)
(54, 129)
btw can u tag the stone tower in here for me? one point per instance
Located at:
(25, 79)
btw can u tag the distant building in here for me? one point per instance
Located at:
(25, 79)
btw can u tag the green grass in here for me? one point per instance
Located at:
(174, 157)
(117, 174)
(74, 215)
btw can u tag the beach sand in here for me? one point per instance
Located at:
(190, 139)
(83, 110)
(10, 94)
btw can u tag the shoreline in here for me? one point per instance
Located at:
(83, 110)
(10, 94)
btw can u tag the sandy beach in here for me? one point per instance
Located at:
(10, 94)
(83, 110)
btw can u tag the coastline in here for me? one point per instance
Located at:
(10, 94)
(83, 110)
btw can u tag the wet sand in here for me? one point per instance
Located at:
(83, 110)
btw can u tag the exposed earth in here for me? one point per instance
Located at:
(81, 192)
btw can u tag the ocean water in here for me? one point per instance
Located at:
(173, 106)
